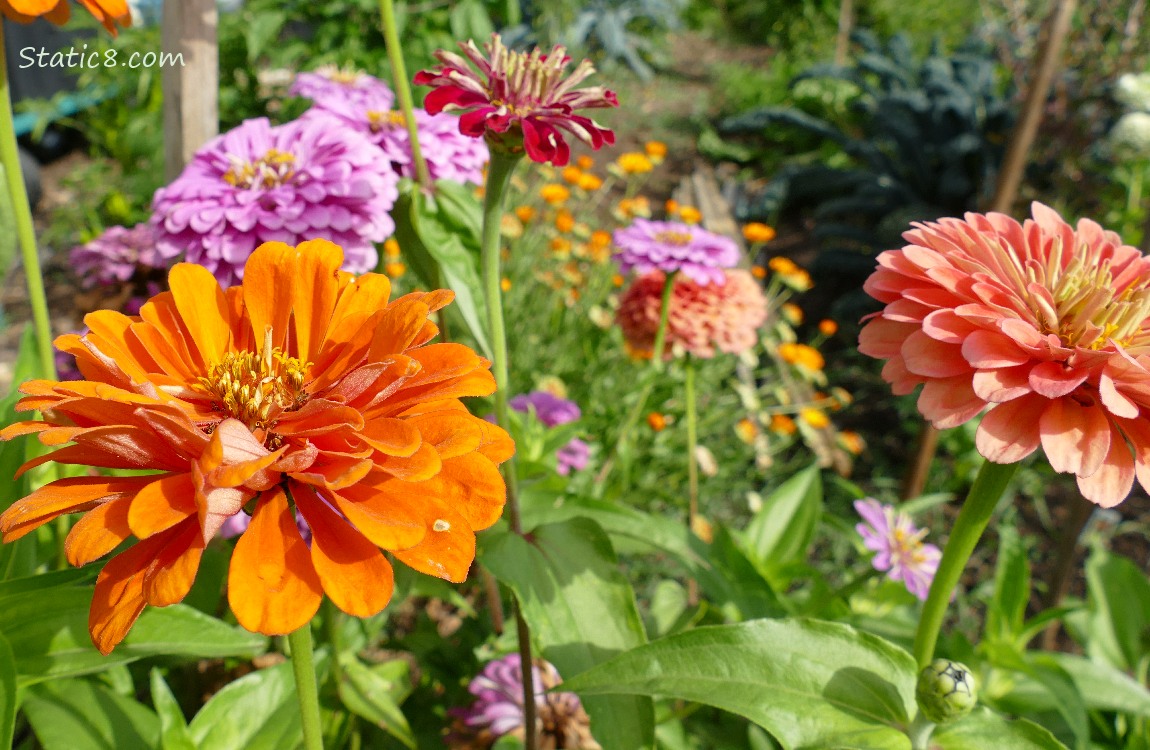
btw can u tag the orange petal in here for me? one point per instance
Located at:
(453, 433)
(354, 574)
(447, 549)
(397, 329)
(162, 504)
(419, 466)
(204, 309)
(392, 437)
(272, 587)
(171, 574)
(109, 13)
(319, 416)
(63, 496)
(119, 596)
(387, 513)
(471, 485)
(334, 472)
(98, 532)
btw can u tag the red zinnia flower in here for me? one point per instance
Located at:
(1046, 324)
(526, 95)
(304, 385)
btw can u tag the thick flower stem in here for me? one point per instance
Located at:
(498, 179)
(692, 466)
(25, 232)
(303, 667)
(657, 366)
(403, 89)
(972, 520)
(919, 732)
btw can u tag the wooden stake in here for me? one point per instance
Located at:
(191, 81)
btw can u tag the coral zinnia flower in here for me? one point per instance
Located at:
(258, 183)
(704, 318)
(303, 386)
(1046, 324)
(107, 12)
(520, 101)
(901, 553)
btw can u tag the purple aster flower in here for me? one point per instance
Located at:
(290, 183)
(498, 708)
(900, 551)
(551, 410)
(670, 246)
(330, 82)
(573, 456)
(449, 154)
(116, 255)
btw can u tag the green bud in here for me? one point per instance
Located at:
(945, 691)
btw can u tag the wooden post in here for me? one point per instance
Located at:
(1046, 60)
(846, 23)
(191, 82)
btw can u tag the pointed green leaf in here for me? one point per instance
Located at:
(9, 700)
(808, 683)
(985, 729)
(174, 734)
(782, 530)
(259, 711)
(79, 714)
(582, 609)
(1119, 597)
(1005, 618)
(370, 695)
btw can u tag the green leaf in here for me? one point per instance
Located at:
(782, 530)
(48, 632)
(1102, 687)
(984, 729)
(371, 695)
(1119, 597)
(459, 208)
(259, 711)
(9, 700)
(582, 609)
(809, 683)
(8, 236)
(469, 20)
(1068, 700)
(1007, 613)
(78, 714)
(174, 734)
(733, 580)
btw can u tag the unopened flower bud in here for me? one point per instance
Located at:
(945, 691)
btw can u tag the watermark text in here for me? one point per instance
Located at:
(41, 57)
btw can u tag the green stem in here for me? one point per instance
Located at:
(968, 527)
(25, 231)
(499, 171)
(692, 443)
(664, 317)
(919, 732)
(303, 667)
(403, 89)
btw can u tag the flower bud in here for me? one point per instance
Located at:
(945, 691)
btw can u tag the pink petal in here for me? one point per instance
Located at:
(1111, 483)
(1009, 432)
(1055, 380)
(925, 356)
(1004, 384)
(1075, 438)
(988, 350)
(946, 326)
(949, 402)
(882, 339)
(1118, 404)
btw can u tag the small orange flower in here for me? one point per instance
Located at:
(107, 12)
(815, 418)
(572, 175)
(782, 265)
(560, 246)
(303, 386)
(671, 207)
(617, 280)
(590, 182)
(746, 430)
(703, 529)
(394, 269)
(634, 162)
(656, 150)
(600, 239)
(828, 327)
(758, 232)
(690, 215)
(802, 355)
(781, 424)
(564, 221)
(657, 421)
(584, 162)
(391, 248)
(525, 213)
(505, 284)
(792, 313)
(554, 194)
(852, 442)
(758, 272)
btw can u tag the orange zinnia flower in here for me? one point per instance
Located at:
(303, 386)
(107, 12)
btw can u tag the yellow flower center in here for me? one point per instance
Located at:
(254, 387)
(379, 120)
(270, 170)
(344, 76)
(671, 237)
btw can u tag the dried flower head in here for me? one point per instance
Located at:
(519, 101)
(1043, 325)
(303, 387)
(900, 551)
(289, 183)
(704, 318)
(669, 246)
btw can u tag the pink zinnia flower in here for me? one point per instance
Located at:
(329, 82)
(1044, 323)
(449, 154)
(900, 551)
(704, 318)
(116, 255)
(527, 96)
(673, 246)
(290, 183)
